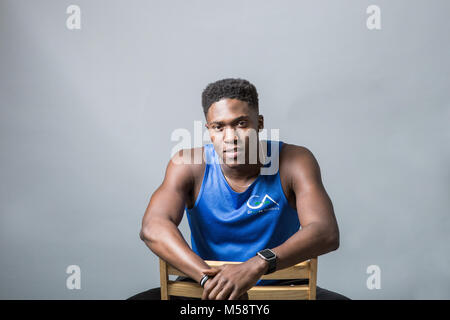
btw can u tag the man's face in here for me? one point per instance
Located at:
(233, 127)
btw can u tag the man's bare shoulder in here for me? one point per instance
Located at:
(297, 163)
(189, 162)
(294, 153)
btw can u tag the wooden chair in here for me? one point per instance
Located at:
(304, 270)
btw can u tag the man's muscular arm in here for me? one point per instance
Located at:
(163, 215)
(319, 233)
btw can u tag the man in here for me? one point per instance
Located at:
(269, 222)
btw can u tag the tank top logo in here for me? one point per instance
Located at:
(258, 206)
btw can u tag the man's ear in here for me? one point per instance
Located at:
(260, 122)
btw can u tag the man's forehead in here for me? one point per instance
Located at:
(229, 119)
(228, 110)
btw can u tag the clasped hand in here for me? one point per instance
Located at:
(232, 281)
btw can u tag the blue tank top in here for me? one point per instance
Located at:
(233, 226)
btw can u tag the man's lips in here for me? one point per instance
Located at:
(232, 152)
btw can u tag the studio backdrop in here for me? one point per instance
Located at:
(91, 92)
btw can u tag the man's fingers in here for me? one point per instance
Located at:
(225, 293)
(210, 284)
(207, 289)
(234, 295)
(205, 294)
(216, 290)
(238, 295)
(211, 272)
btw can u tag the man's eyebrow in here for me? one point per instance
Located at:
(232, 121)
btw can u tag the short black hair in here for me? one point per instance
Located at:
(230, 88)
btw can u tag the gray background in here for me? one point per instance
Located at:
(86, 119)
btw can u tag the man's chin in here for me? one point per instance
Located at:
(233, 163)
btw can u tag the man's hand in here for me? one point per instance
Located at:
(231, 281)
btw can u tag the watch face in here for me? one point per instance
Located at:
(267, 254)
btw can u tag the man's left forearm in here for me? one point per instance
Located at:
(311, 241)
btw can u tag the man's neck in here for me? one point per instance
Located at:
(243, 172)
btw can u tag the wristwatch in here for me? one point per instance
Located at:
(270, 257)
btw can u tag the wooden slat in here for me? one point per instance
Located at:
(298, 271)
(194, 290)
(300, 292)
(184, 289)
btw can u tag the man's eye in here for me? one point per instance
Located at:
(242, 123)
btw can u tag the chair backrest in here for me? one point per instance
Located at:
(304, 270)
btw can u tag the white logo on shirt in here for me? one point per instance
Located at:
(259, 204)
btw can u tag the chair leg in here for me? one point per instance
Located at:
(164, 278)
(313, 278)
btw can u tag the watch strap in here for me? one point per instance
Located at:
(272, 262)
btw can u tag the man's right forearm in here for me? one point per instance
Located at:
(164, 238)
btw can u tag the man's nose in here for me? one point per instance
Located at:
(230, 135)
